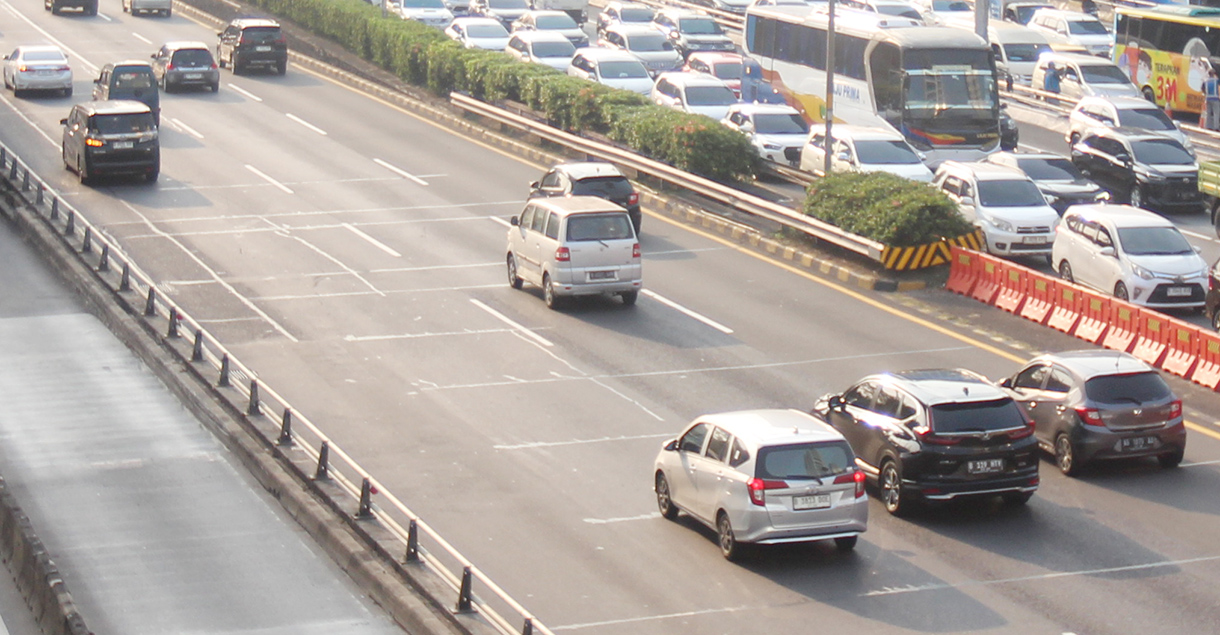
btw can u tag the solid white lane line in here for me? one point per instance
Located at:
(1192, 464)
(607, 521)
(631, 620)
(187, 129)
(92, 68)
(373, 241)
(501, 221)
(399, 171)
(415, 336)
(268, 179)
(141, 38)
(509, 321)
(1210, 239)
(353, 294)
(306, 124)
(552, 444)
(681, 309)
(245, 92)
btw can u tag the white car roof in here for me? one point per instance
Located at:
(858, 133)
(1073, 16)
(773, 427)
(541, 36)
(1121, 103)
(603, 54)
(543, 13)
(1080, 59)
(986, 171)
(633, 28)
(477, 20)
(680, 78)
(1121, 215)
(755, 109)
(26, 48)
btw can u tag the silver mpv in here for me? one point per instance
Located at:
(763, 477)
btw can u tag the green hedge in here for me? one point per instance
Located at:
(887, 208)
(424, 56)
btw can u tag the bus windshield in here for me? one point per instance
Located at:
(942, 80)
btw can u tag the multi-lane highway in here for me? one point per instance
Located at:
(353, 255)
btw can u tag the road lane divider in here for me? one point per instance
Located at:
(268, 179)
(244, 92)
(688, 312)
(399, 171)
(372, 241)
(516, 325)
(141, 38)
(305, 123)
(177, 123)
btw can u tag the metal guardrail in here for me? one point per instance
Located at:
(420, 543)
(720, 193)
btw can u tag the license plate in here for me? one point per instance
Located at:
(602, 275)
(124, 145)
(820, 501)
(1178, 292)
(1136, 444)
(262, 49)
(985, 466)
(1035, 240)
(194, 76)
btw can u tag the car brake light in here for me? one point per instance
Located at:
(633, 198)
(635, 250)
(281, 40)
(1090, 416)
(758, 489)
(927, 436)
(1175, 409)
(23, 68)
(169, 67)
(563, 255)
(94, 143)
(1022, 433)
(856, 477)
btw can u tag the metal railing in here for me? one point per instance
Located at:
(419, 543)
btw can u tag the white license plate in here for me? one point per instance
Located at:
(1035, 240)
(603, 275)
(1178, 292)
(194, 76)
(124, 145)
(262, 49)
(985, 466)
(1137, 444)
(819, 501)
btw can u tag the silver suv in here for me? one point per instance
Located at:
(577, 245)
(763, 477)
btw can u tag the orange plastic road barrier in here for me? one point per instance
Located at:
(964, 267)
(1151, 336)
(1124, 326)
(1012, 286)
(1183, 351)
(988, 282)
(1040, 294)
(1207, 371)
(1094, 316)
(1067, 300)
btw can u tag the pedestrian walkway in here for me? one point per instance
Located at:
(152, 523)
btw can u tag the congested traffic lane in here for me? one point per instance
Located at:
(527, 436)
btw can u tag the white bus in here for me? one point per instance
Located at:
(934, 85)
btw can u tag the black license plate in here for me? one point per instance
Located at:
(985, 466)
(1138, 444)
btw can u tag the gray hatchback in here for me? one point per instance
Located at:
(1093, 404)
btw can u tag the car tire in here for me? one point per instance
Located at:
(1017, 498)
(216, 87)
(67, 92)
(1120, 292)
(664, 502)
(152, 177)
(220, 61)
(729, 547)
(1075, 138)
(82, 171)
(1137, 196)
(281, 68)
(630, 297)
(168, 12)
(890, 484)
(1216, 319)
(1065, 271)
(514, 280)
(552, 301)
(846, 544)
(235, 64)
(1171, 460)
(91, 10)
(1065, 455)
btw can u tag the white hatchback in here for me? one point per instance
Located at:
(763, 477)
(1134, 254)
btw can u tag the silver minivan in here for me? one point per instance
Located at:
(763, 477)
(577, 245)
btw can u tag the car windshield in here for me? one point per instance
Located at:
(1086, 27)
(1145, 119)
(951, 5)
(1027, 12)
(486, 30)
(554, 49)
(582, 227)
(699, 26)
(260, 34)
(122, 124)
(979, 416)
(766, 123)
(132, 80)
(1154, 241)
(507, 4)
(1012, 193)
(635, 14)
(728, 70)
(622, 70)
(614, 188)
(43, 56)
(1161, 152)
(1050, 169)
(804, 461)
(899, 11)
(1103, 74)
(555, 22)
(709, 96)
(1134, 388)
(422, 4)
(193, 57)
(1025, 52)
(886, 152)
(649, 43)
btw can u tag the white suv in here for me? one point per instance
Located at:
(1079, 28)
(618, 69)
(763, 477)
(1122, 112)
(696, 93)
(1134, 254)
(1004, 203)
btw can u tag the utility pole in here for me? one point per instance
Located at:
(982, 11)
(830, 86)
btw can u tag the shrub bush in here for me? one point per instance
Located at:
(886, 208)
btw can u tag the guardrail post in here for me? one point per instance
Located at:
(463, 605)
(12, 176)
(412, 541)
(323, 473)
(150, 306)
(285, 429)
(25, 181)
(103, 265)
(197, 353)
(366, 504)
(3, 157)
(38, 198)
(253, 409)
(528, 629)
(172, 332)
(125, 281)
(55, 208)
(70, 228)
(87, 243)
(223, 382)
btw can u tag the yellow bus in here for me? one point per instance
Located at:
(1167, 51)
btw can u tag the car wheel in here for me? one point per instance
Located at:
(514, 280)
(235, 64)
(729, 547)
(82, 172)
(281, 68)
(1065, 455)
(1148, 94)
(151, 177)
(91, 10)
(220, 61)
(1018, 498)
(664, 502)
(1137, 196)
(548, 293)
(168, 12)
(1065, 271)
(126, 9)
(216, 87)
(891, 490)
(1171, 460)
(845, 545)
(1216, 319)
(67, 92)
(1120, 292)
(629, 297)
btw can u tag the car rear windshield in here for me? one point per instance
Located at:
(132, 80)
(636, 15)
(193, 57)
(1010, 194)
(1050, 169)
(1145, 119)
(554, 49)
(710, 96)
(260, 34)
(977, 416)
(1154, 241)
(1103, 74)
(804, 460)
(1135, 388)
(43, 56)
(616, 226)
(615, 188)
(122, 124)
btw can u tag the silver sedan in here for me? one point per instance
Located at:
(37, 67)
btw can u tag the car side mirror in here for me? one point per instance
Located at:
(514, 221)
(220, 33)
(534, 185)
(1007, 383)
(671, 445)
(63, 122)
(1108, 251)
(967, 201)
(1198, 249)
(153, 56)
(836, 402)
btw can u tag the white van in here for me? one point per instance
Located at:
(1078, 28)
(1017, 49)
(1084, 76)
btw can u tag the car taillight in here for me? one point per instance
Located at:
(23, 68)
(94, 143)
(281, 40)
(635, 250)
(758, 488)
(1175, 409)
(563, 255)
(857, 477)
(633, 198)
(214, 66)
(1022, 433)
(169, 67)
(927, 436)
(63, 68)
(1091, 416)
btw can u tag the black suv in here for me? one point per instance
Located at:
(111, 137)
(87, 7)
(251, 42)
(592, 178)
(1149, 169)
(936, 435)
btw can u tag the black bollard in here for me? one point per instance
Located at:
(528, 629)
(125, 281)
(285, 429)
(104, 264)
(366, 503)
(70, 228)
(25, 181)
(463, 605)
(55, 208)
(197, 354)
(173, 323)
(12, 176)
(323, 473)
(253, 409)
(224, 372)
(412, 541)
(87, 243)
(150, 307)
(38, 199)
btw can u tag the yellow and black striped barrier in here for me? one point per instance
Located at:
(928, 255)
